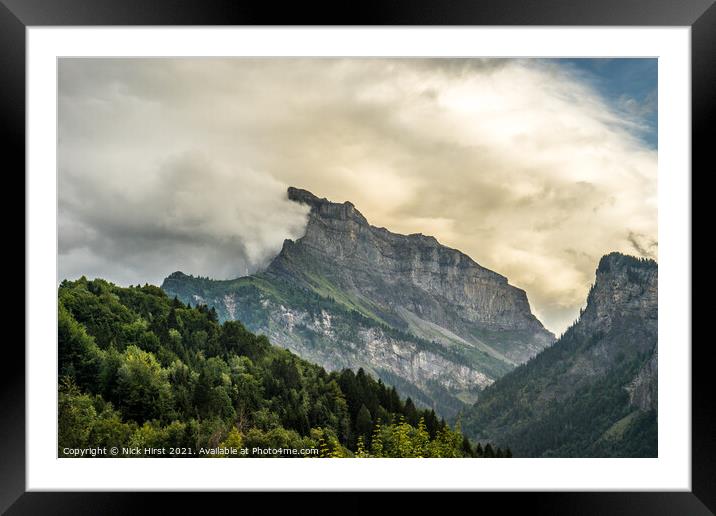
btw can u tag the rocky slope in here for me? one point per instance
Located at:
(593, 393)
(419, 315)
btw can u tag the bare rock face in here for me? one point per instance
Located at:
(625, 288)
(643, 389)
(410, 280)
(624, 302)
(372, 348)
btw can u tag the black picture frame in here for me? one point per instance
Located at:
(17, 15)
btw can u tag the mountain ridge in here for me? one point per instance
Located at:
(406, 261)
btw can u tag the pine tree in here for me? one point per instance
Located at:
(402, 446)
(361, 452)
(172, 321)
(489, 452)
(395, 404)
(323, 449)
(467, 448)
(411, 413)
(376, 444)
(364, 423)
(421, 440)
(337, 452)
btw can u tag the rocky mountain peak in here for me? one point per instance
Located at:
(325, 209)
(625, 287)
(304, 196)
(616, 261)
(331, 222)
(410, 281)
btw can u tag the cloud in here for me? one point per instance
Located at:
(192, 215)
(170, 164)
(644, 246)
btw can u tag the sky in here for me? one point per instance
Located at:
(533, 167)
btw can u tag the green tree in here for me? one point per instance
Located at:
(108, 429)
(361, 451)
(467, 448)
(364, 422)
(234, 440)
(421, 440)
(376, 444)
(78, 355)
(149, 435)
(400, 444)
(489, 452)
(144, 392)
(76, 416)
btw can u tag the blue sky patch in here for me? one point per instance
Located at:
(629, 85)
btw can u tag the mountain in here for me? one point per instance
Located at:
(415, 313)
(410, 282)
(594, 392)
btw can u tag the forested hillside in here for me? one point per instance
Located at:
(140, 370)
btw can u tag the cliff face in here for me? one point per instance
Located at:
(625, 289)
(643, 389)
(599, 379)
(410, 281)
(417, 314)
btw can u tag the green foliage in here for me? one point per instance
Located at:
(234, 439)
(403, 440)
(361, 452)
(79, 356)
(76, 415)
(364, 422)
(140, 370)
(143, 389)
(85, 420)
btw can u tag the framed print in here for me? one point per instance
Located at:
(390, 250)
